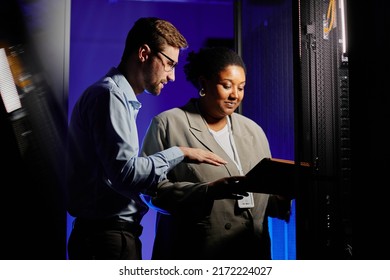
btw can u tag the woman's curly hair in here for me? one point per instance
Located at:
(208, 62)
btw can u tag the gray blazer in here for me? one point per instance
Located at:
(196, 226)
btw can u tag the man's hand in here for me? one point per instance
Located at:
(202, 156)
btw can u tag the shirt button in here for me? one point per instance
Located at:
(228, 226)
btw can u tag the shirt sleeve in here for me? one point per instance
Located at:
(114, 132)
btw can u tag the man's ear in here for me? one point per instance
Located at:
(144, 52)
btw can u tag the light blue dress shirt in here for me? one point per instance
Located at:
(106, 175)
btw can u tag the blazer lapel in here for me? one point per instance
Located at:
(244, 144)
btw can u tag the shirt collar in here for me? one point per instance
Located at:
(124, 86)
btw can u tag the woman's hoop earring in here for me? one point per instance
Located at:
(201, 92)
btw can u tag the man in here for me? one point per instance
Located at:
(105, 173)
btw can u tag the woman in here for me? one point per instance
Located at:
(196, 221)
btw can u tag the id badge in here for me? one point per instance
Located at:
(246, 201)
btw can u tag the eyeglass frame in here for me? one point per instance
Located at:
(172, 66)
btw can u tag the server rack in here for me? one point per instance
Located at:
(324, 227)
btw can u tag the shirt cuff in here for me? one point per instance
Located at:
(174, 156)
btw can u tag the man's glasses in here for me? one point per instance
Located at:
(172, 64)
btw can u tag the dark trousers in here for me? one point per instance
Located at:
(105, 240)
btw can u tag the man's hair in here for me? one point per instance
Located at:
(154, 32)
(209, 62)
